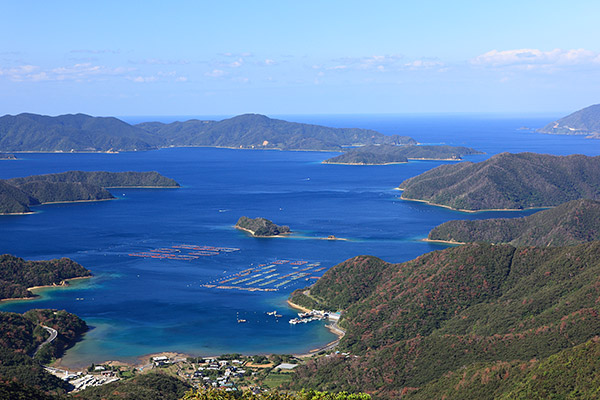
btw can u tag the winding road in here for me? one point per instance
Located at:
(53, 335)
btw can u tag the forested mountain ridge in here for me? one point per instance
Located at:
(574, 222)
(411, 323)
(17, 194)
(583, 122)
(80, 133)
(508, 181)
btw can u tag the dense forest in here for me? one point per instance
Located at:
(583, 122)
(508, 181)
(17, 274)
(80, 132)
(570, 223)
(261, 227)
(387, 154)
(409, 324)
(17, 194)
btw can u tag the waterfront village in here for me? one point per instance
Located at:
(230, 372)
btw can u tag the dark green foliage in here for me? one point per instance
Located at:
(454, 308)
(385, 154)
(217, 394)
(31, 132)
(79, 132)
(571, 373)
(302, 298)
(582, 122)
(18, 193)
(14, 390)
(508, 181)
(261, 227)
(260, 132)
(17, 274)
(142, 387)
(570, 223)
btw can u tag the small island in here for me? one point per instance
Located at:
(583, 122)
(19, 276)
(261, 227)
(18, 194)
(390, 154)
(4, 156)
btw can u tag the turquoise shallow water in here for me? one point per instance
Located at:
(138, 306)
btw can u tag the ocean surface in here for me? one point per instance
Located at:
(139, 305)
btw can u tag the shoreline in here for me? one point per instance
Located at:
(281, 235)
(442, 241)
(472, 211)
(333, 328)
(364, 164)
(63, 284)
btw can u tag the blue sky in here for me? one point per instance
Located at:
(300, 57)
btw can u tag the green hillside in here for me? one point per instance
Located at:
(261, 227)
(570, 223)
(17, 274)
(414, 322)
(17, 194)
(508, 181)
(386, 154)
(583, 122)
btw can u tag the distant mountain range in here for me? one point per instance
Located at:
(17, 194)
(583, 122)
(388, 154)
(81, 133)
(574, 222)
(455, 312)
(508, 181)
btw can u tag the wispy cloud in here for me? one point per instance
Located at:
(159, 61)
(91, 51)
(381, 63)
(536, 59)
(215, 73)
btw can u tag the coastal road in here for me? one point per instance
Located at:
(53, 335)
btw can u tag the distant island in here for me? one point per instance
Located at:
(84, 133)
(4, 156)
(17, 194)
(571, 223)
(18, 275)
(389, 154)
(507, 182)
(583, 122)
(261, 227)
(476, 310)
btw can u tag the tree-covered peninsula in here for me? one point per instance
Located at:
(84, 133)
(583, 122)
(389, 154)
(261, 227)
(410, 324)
(17, 274)
(508, 181)
(574, 222)
(17, 194)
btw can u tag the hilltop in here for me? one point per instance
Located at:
(508, 181)
(583, 122)
(389, 154)
(409, 324)
(17, 194)
(84, 133)
(570, 223)
(261, 227)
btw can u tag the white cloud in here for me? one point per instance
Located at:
(268, 61)
(143, 79)
(534, 58)
(238, 63)
(215, 73)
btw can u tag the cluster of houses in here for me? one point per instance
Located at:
(218, 373)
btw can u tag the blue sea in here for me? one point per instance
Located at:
(137, 306)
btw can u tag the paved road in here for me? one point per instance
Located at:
(53, 335)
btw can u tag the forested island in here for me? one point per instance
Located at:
(508, 181)
(574, 222)
(4, 156)
(583, 122)
(261, 227)
(18, 194)
(463, 311)
(17, 275)
(84, 133)
(389, 154)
